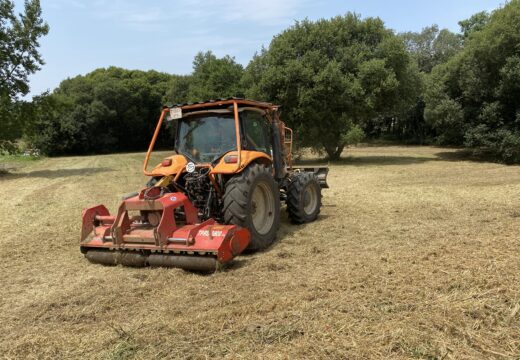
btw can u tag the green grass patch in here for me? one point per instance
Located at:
(12, 162)
(18, 158)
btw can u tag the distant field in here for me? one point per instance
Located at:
(416, 254)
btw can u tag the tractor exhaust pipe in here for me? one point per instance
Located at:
(279, 166)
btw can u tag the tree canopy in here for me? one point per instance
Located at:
(19, 42)
(432, 46)
(475, 23)
(106, 110)
(111, 110)
(333, 77)
(19, 58)
(211, 78)
(338, 80)
(474, 98)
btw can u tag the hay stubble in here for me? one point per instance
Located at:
(415, 255)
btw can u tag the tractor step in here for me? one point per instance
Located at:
(321, 173)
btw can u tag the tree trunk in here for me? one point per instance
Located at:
(334, 152)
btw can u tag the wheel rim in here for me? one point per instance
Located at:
(310, 199)
(262, 208)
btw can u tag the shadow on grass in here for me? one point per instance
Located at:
(286, 230)
(360, 160)
(368, 160)
(466, 155)
(6, 169)
(384, 160)
(237, 263)
(58, 173)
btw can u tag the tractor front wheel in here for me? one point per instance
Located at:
(252, 201)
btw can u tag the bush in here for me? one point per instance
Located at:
(510, 147)
(8, 147)
(501, 144)
(354, 136)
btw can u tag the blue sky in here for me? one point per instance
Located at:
(165, 35)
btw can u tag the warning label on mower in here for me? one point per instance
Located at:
(206, 233)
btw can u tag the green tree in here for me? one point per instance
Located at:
(474, 99)
(331, 76)
(211, 78)
(19, 42)
(107, 110)
(476, 22)
(428, 48)
(19, 58)
(432, 46)
(178, 89)
(214, 78)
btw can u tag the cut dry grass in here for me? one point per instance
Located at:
(415, 255)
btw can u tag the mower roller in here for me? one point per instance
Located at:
(217, 195)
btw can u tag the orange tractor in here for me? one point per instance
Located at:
(216, 196)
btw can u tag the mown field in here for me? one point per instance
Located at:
(416, 254)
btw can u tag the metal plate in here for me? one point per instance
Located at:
(175, 113)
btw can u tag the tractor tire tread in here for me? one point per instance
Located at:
(295, 189)
(236, 201)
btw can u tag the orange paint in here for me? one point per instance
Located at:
(178, 163)
(247, 157)
(152, 143)
(237, 132)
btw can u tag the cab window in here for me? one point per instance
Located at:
(255, 132)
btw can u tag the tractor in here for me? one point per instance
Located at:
(217, 195)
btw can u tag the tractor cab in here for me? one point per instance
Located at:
(204, 138)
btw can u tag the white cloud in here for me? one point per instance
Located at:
(59, 4)
(140, 15)
(261, 12)
(268, 12)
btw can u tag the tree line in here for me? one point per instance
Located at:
(338, 80)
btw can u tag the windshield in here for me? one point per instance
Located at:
(205, 138)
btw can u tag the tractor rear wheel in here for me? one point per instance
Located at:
(252, 201)
(303, 198)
